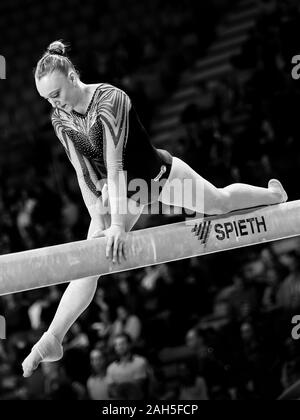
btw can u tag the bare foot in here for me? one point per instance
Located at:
(276, 186)
(47, 349)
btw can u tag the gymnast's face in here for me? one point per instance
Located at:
(60, 90)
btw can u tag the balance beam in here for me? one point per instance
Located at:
(67, 262)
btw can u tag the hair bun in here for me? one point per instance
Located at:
(57, 47)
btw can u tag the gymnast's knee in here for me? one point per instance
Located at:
(224, 203)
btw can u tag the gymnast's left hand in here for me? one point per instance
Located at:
(116, 242)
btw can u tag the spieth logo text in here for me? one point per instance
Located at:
(237, 229)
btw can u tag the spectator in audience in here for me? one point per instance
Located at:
(290, 372)
(127, 323)
(128, 377)
(103, 326)
(273, 281)
(207, 365)
(58, 385)
(246, 295)
(192, 386)
(288, 296)
(97, 384)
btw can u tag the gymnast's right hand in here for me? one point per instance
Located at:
(116, 238)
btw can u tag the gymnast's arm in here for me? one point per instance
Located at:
(114, 114)
(87, 178)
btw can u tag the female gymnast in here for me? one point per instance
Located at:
(104, 140)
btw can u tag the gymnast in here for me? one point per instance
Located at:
(105, 140)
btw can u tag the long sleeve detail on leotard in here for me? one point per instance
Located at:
(113, 111)
(87, 178)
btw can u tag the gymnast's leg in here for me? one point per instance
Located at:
(186, 188)
(74, 301)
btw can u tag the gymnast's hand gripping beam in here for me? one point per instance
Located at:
(195, 237)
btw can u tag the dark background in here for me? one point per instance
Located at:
(212, 83)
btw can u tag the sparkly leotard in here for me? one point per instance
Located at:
(107, 137)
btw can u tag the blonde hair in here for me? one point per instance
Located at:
(54, 58)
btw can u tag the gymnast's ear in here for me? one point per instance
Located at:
(73, 77)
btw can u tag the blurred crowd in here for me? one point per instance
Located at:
(217, 327)
(244, 126)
